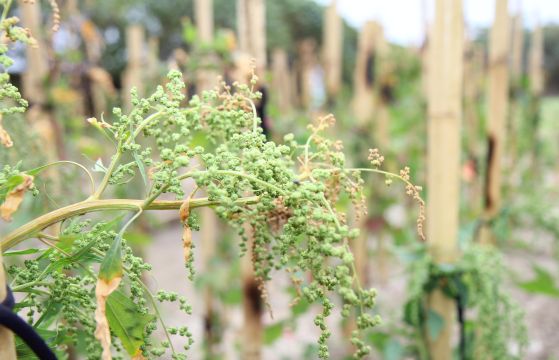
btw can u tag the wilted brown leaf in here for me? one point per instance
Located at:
(184, 213)
(15, 197)
(5, 138)
(102, 332)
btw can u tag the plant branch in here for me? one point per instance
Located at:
(31, 228)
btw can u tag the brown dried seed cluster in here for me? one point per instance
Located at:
(413, 191)
(278, 217)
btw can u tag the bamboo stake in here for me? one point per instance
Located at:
(383, 90)
(536, 62)
(536, 88)
(7, 344)
(36, 56)
(281, 80)
(498, 107)
(253, 306)
(364, 73)
(445, 116)
(251, 29)
(305, 64)
(517, 47)
(473, 71)
(135, 40)
(203, 13)
(204, 16)
(516, 86)
(332, 50)
(153, 58)
(34, 78)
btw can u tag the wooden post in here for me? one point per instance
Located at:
(203, 14)
(253, 328)
(516, 71)
(517, 47)
(281, 80)
(332, 50)
(364, 74)
(7, 344)
(497, 117)
(305, 63)
(537, 84)
(251, 29)
(36, 56)
(536, 62)
(135, 39)
(473, 89)
(209, 236)
(34, 78)
(445, 116)
(153, 59)
(383, 90)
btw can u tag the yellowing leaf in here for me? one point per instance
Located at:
(102, 331)
(5, 138)
(15, 197)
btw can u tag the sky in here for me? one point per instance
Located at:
(403, 19)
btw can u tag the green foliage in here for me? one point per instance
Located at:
(543, 283)
(475, 282)
(281, 198)
(126, 323)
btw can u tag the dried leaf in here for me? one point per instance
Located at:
(102, 332)
(15, 197)
(5, 138)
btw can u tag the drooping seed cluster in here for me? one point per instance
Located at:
(295, 220)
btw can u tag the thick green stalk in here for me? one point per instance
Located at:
(31, 228)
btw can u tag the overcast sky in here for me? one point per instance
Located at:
(403, 19)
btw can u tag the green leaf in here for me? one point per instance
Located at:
(393, 350)
(379, 339)
(232, 296)
(137, 238)
(141, 168)
(273, 332)
(11, 183)
(111, 267)
(300, 307)
(22, 252)
(543, 283)
(435, 323)
(126, 322)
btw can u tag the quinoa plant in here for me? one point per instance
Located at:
(282, 199)
(85, 288)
